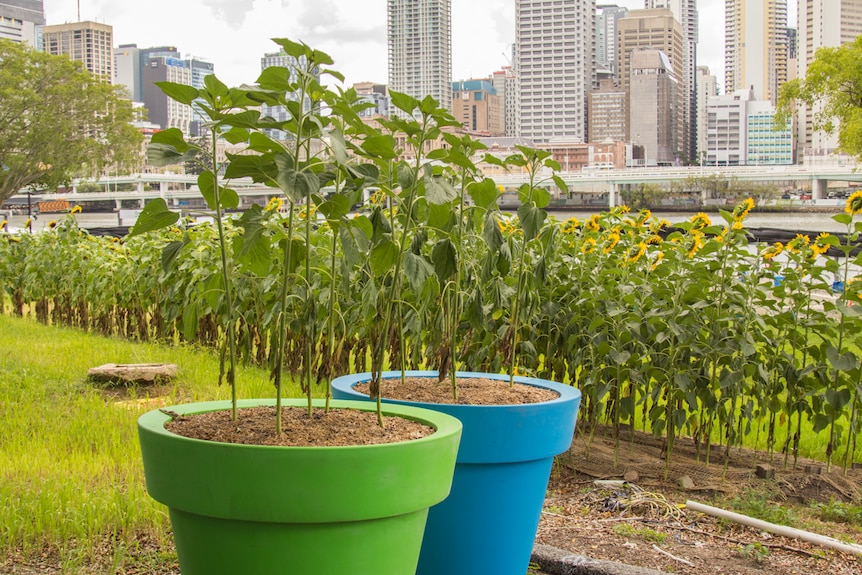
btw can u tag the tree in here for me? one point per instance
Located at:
(58, 122)
(832, 87)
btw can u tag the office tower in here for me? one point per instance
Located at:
(765, 145)
(707, 87)
(477, 106)
(821, 23)
(90, 43)
(726, 128)
(420, 48)
(755, 38)
(654, 92)
(22, 21)
(658, 29)
(130, 62)
(685, 11)
(555, 66)
(608, 108)
(166, 112)
(606, 35)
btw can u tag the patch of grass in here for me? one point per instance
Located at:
(70, 466)
(839, 512)
(645, 533)
(757, 552)
(758, 503)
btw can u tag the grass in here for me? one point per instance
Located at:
(645, 533)
(70, 466)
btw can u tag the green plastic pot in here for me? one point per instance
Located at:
(261, 510)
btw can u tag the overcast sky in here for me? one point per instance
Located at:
(234, 34)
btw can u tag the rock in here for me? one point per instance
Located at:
(559, 562)
(133, 373)
(686, 482)
(631, 476)
(764, 471)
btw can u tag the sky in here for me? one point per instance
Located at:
(234, 34)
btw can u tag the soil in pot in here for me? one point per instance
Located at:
(471, 391)
(256, 426)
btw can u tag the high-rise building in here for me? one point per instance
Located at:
(766, 144)
(164, 111)
(685, 11)
(707, 87)
(90, 43)
(375, 94)
(821, 23)
(657, 29)
(726, 128)
(555, 67)
(755, 41)
(127, 70)
(606, 35)
(420, 48)
(608, 112)
(654, 93)
(477, 106)
(22, 21)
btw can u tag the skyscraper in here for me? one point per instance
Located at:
(164, 111)
(755, 42)
(22, 21)
(87, 42)
(685, 11)
(707, 87)
(606, 35)
(658, 29)
(822, 23)
(420, 49)
(555, 55)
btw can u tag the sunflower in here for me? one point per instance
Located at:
(696, 243)
(658, 258)
(854, 204)
(3, 224)
(820, 245)
(52, 224)
(636, 252)
(77, 210)
(274, 204)
(611, 241)
(658, 225)
(593, 223)
(742, 209)
(654, 239)
(589, 246)
(378, 197)
(570, 226)
(699, 221)
(772, 251)
(796, 244)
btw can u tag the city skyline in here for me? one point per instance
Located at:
(234, 34)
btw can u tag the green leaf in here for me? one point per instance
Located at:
(171, 251)
(532, 219)
(291, 48)
(403, 102)
(445, 258)
(154, 216)
(843, 218)
(417, 269)
(438, 191)
(236, 135)
(541, 197)
(383, 257)
(553, 164)
(335, 207)
(491, 232)
(484, 193)
(215, 87)
(182, 93)
(561, 184)
(382, 146)
(171, 137)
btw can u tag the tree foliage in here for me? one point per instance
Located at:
(832, 87)
(58, 122)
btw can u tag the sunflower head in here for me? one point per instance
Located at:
(274, 204)
(636, 252)
(699, 221)
(854, 204)
(52, 224)
(820, 245)
(570, 226)
(589, 246)
(772, 251)
(742, 209)
(798, 243)
(77, 209)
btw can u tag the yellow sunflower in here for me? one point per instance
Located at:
(275, 204)
(696, 244)
(820, 245)
(742, 209)
(570, 226)
(77, 210)
(611, 241)
(699, 221)
(589, 246)
(772, 251)
(593, 223)
(636, 252)
(854, 204)
(658, 258)
(796, 244)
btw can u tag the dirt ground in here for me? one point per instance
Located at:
(645, 523)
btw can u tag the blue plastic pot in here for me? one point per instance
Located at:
(489, 521)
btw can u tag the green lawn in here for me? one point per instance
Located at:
(71, 479)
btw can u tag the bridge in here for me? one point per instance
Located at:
(181, 189)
